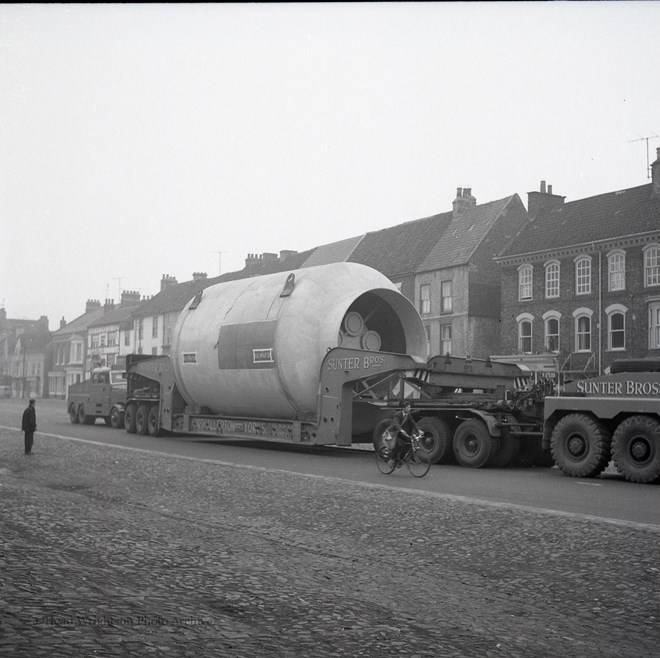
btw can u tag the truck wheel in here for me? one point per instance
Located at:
(436, 443)
(636, 449)
(509, 449)
(116, 418)
(83, 419)
(153, 421)
(580, 445)
(142, 419)
(129, 418)
(473, 444)
(379, 430)
(73, 414)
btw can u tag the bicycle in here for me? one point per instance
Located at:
(414, 458)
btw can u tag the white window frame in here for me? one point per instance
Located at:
(525, 282)
(446, 300)
(654, 324)
(522, 320)
(610, 312)
(445, 339)
(616, 270)
(583, 275)
(583, 314)
(552, 273)
(425, 299)
(651, 265)
(548, 317)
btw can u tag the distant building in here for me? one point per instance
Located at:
(581, 282)
(69, 347)
(24, 356)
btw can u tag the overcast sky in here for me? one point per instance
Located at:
(141, 140)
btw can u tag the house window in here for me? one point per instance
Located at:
(425, 297)
(583, 329)
(652, 265)
(616, 329)
(616, 270)
(524, 282)
(127, 337)
(427, 330)
(445, 339)
(524, 333)
(446, 296)
(154, 327)
(552, 279)
(551, 332)
(654, 326)
(583, 275)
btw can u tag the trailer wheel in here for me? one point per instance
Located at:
(129, 418)
(73, 414)
(436, 442)
(379, 430)
(473, 445)
(581, 445)
(142, 419)
(116, 418)
(636, 449)
(153, 421)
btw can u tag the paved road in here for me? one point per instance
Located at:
(113, 552)
(608, 497)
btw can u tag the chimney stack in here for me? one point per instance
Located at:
(655, 175)
(543, 200)
(92, 305)
(167, 281)
(199, 276)
(130, 297)
(62, 323)
(463, 201)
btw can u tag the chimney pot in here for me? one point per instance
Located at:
(542, 187)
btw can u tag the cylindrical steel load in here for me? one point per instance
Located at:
(254, 347)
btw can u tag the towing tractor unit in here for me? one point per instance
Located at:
(103, 395)
(306, 356)
(615, 417)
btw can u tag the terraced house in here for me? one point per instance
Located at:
(582, 279)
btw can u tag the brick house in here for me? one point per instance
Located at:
(25, 356)
(582, 279)
(457, 284)
(69, 348)
(109, 338)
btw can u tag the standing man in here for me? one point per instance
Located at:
(29, 425)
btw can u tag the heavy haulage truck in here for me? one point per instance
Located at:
(325, 356)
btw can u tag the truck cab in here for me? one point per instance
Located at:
(103, 395)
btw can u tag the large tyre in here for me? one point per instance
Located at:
(73, 414)
(581, 446)
(379, 430)
(129, 418)
(153, 421)
(83, 418)
(508, 451)
(116, 418)
(436, 443)
(636, 449)
(473, 445)
(142, 419)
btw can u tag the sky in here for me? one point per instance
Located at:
(143, 140)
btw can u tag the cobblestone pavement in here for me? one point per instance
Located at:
(112, 552)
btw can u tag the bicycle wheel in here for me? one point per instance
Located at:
(418, 463)
(384, 463)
